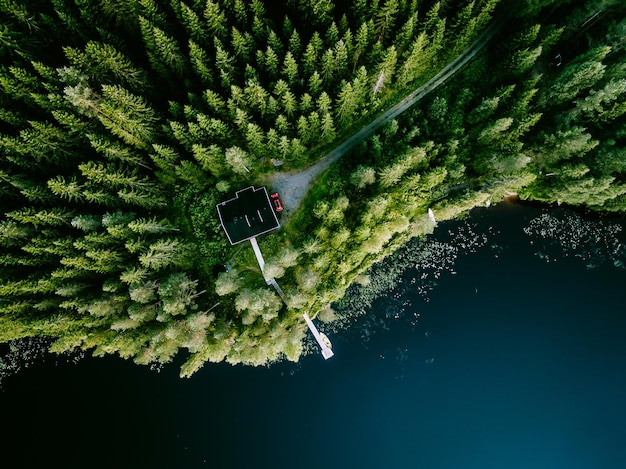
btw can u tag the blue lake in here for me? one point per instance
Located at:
(512, 356)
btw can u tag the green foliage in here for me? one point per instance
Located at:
(114, 157)
(228, 282)
(258, 303)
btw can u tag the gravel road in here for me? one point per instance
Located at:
(293, 186)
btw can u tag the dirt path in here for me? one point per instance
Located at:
(293, 186)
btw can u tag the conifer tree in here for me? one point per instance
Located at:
(199, 62)
(193, 24)
(215, 19)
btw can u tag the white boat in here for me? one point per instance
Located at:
(321, 338)
(326, 340)
(431, 215)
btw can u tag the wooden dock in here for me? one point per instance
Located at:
(326, 351)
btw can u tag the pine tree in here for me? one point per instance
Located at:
(290, 68)
(241, 12)
(12, 233)
(386, 69)
(45, 217)
(145, 197)
(104, 62)
(385, 19)
(565, 144)
(116, 151)
(295, 44)
(341, 59)
(193, 24)
(210, 158)
(603, 103)
(314, 126)
(70, 190)
(238, 160)
(315, 84)
(327, 129)
(312, 53)
(256, 97)
(163, 253)
(417, 61)
(275, 43)
(199, 62)
(282, 124)
(362, 42)
(332, 35)
(577, 77)
(241, 44)
(328, 66)
(168, 52)
(271, 62)
(346, 105)
(290, 104)
(215, 19)
(303, 130)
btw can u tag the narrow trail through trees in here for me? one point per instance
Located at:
(293, 186)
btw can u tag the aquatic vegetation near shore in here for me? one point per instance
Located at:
(20, 354)
(594, 242)
(421, 263)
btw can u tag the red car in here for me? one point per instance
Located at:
(278, 205)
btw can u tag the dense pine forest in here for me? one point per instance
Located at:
(124, 122)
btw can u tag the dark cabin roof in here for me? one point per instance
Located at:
(247, 215)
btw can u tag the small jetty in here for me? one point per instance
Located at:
(321, 338)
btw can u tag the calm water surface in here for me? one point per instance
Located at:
(513, 358)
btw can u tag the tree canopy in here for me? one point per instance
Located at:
(123, 124)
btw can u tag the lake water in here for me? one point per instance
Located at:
(504, 348)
